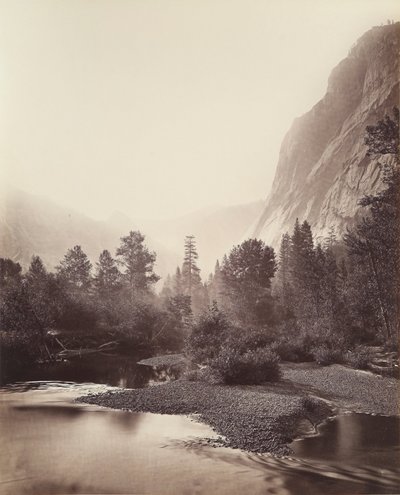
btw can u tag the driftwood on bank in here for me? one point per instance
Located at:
(66, 353)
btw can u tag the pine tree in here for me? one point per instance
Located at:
(324, 284)
(216, 287)
(190, 271)
(247, 274)
(108, 277)
(375, 240)
(137, 263)
(75, 269)
(192, 285)
(42, 294)
(308, 243)
(283, 288)
(331, 240)
(176, 301)
(37, 271)
(299, 256)
(295, 256)
(177, 282)
(383, 138)
(304, 275)
(10, 273)
(167, 288)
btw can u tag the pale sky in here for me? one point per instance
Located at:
(159, 107)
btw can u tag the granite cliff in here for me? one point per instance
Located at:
(323, 169)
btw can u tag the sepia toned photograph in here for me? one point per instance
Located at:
(199, 247)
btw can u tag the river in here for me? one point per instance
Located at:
(51, 445)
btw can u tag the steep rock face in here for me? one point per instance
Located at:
(323, 169)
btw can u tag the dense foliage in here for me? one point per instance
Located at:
(328, 302)
(324, 301)
(41, 313)
(231, 355)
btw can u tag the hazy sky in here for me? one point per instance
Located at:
(156, 108)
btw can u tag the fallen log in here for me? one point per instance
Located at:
(65, 353)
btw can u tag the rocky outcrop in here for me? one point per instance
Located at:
(323, 169)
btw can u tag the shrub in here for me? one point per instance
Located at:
(292, 349)
(325, 355)
(248, 339)
(392, 345)
(359, 358)
(206, 374)
(76, 313)
(191, 375)
(310, 404)
(251, 367)
(138, 327)
(17, 352)
(207, 335)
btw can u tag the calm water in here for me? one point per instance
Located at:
(51, 445)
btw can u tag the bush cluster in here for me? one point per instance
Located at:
(207, 336)
(325, 355)
(204, 374)
(251, 367)
(230, 354)
(360, 358)
(293, 348)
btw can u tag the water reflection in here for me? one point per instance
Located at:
(50, 410)
(52, 446)
(161, 374)
(110, 369)
(103, 451)
(297, 476)
(355, 439)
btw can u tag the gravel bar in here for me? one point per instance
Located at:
(350, 389)
(264, 418)
(250, 418)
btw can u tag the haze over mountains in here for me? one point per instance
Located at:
(34, 225)
(217, 230)
(323, 169)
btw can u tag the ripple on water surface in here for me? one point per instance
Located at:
(51, 445)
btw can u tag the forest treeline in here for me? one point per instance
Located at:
(319, 301)
(84, 306)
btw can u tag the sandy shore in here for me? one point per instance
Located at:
(263, 418)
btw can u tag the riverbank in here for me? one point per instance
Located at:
(165, 360)
(347, 388)
(263, 418)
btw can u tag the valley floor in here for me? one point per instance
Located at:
(264, 418)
